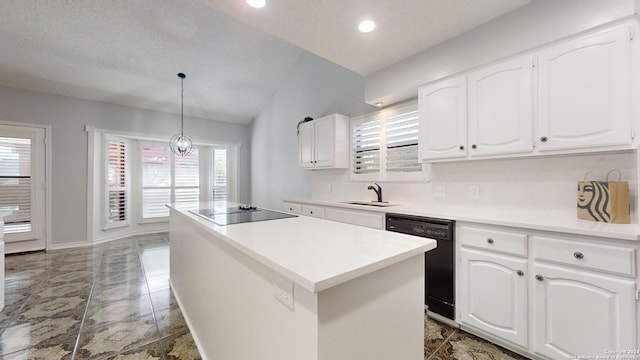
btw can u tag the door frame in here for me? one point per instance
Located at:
(47, 180)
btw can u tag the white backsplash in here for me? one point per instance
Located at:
(546, 184)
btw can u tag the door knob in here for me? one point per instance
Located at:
(461, 147)
(490, 240)
(544, 139)
(539, 277)
(520, 272)
(578, 255)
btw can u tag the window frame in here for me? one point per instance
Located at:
(383, 175)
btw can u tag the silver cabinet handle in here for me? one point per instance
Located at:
(490, 240)
(539, 277)
(578, 255)
(520, 273)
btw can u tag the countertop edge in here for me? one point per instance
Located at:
(629, 232)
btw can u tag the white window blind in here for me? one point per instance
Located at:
(366, 147)
(219, 175)
(15, 183)
(156, 180)
(117, 206)
(402, 143)
(187, 181)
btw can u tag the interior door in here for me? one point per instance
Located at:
(22, 187)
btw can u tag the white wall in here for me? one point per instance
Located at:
(538, 23)
(68, 116)
(314, 87)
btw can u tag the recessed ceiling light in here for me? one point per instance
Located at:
(366, 26)
(379, 104)
(258, 4)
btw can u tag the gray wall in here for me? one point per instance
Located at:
(68, 116)
(314, 87)
(533, 25)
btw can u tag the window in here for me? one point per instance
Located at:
(219, 175)
(156, 180)
(116, 173)
(187, 181)
(366, 147)
(15, 183)
(385, 145)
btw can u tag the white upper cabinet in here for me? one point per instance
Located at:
(306, 144)
(324, 143)
(584, 92)
(443, 119)
(500, 108)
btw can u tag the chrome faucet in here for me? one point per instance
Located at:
(378, 191)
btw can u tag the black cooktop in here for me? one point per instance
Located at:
(241, 214)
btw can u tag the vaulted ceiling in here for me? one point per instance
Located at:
(234, 56)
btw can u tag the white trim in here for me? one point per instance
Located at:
(91, 141)
(79, 244)
(155, 137)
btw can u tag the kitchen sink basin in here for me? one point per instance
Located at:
(370, 203)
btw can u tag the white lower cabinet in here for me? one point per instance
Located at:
(579, 313)
(494, 296)
(547, 295)
(370, 219)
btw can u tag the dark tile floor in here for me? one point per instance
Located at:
(112, 301)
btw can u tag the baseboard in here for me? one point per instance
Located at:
(103, 240)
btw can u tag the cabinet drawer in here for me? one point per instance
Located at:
(494, 240)
(613, 259)
(292, 208)
(362, 218)
(315, 211)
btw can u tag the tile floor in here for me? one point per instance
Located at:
(112, 301)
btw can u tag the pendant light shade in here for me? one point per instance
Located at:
(179, 143)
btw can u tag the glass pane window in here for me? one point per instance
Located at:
(15, 183)
(219, 175)
(116, 174)
(156, 180)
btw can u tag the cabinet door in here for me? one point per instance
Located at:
(306, 145)
(325, 146)
(584, 92)
(493, 294)
(581, 313)
(500, 108)
(443, 119)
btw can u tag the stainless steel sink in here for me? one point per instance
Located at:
(370, 203)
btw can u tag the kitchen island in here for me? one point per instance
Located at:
(298, 288)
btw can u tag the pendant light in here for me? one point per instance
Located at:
(181, 144)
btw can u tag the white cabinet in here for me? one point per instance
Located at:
(372, 219)
(501, 108)
(292, 208)
(582, 313)
(584, 92)
(494, 295)
(547, 294)
(324, 143)
(443, 119)
(492, 282)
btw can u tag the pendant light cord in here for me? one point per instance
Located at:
(182, 107)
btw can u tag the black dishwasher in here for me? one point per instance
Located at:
(439, 262)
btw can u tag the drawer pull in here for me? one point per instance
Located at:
(578, 255)
(311, 212)
(490, 240)
(290, 209)
(539, 277)
(520, 273)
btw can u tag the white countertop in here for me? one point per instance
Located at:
(512, 217)
(314, 253)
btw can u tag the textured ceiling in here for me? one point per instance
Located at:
(128, 52)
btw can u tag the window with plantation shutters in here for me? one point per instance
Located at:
(402, 143)
(220, 191)
(385, 145)
(156, 180)
(116, 182)
(366, 147)
(15, 183)
(187, 181)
